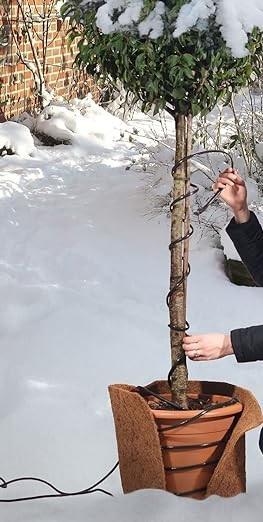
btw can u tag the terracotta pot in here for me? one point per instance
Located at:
(191, 452)
(142, 461)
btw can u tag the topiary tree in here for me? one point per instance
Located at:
(171, 57)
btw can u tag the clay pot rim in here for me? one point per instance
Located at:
(233, 409)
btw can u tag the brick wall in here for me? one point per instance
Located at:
(17, 86)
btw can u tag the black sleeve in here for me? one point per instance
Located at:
(248, 343)
(248, 240)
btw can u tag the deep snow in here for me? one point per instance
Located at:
(84, 274)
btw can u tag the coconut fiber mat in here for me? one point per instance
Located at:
(140, 456)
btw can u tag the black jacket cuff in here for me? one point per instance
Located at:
(248, 240)
(251, 226)
(247, 343)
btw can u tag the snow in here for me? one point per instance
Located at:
(68, 122)
(16, 138)
(259, 150)
(191, 13)
(236, 18)
(83, 279)
(153, 24)
(129, 14)
(57, 122)
(156, 506)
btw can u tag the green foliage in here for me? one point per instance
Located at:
(183, 75)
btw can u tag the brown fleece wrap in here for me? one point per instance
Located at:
(140, 456)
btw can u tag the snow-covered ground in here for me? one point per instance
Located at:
(84, 271)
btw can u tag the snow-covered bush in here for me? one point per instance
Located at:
(15, 138)
(167, 73)
(235, 18)
(78, 122)
(56, 124)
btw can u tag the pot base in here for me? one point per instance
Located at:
(192, 446)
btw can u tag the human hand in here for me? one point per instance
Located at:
(207, 347)
(234, 192)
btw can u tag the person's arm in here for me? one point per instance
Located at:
(247, 343)
(247, 235)
(244, 228)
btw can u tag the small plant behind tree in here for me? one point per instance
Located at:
(185, 76)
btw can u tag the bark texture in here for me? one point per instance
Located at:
(179, 258)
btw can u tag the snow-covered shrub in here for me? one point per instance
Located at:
(235, 18)
(76, 122)
(26, 119)
(15, 138)
(89, 120)
(56, 124)
(170, 73)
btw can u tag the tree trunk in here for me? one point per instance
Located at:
(179, 259)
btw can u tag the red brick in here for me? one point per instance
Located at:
(18, 81)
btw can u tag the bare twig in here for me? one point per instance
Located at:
(34, 22)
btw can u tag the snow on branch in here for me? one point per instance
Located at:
(117, 15)
(153, 24)
(236, 18)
